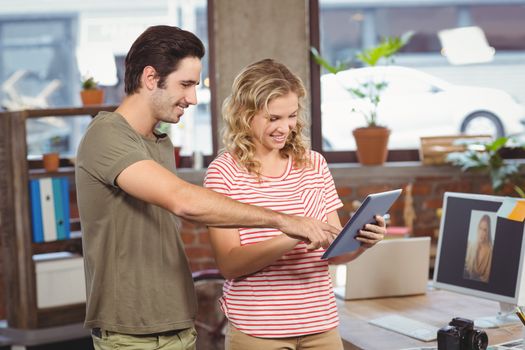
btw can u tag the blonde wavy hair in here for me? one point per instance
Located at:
(253, 89)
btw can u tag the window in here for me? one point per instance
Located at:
(194, 132)
(511, 36)
(27, 81)
(38, 83)
(53, 80)
(425, 94)
(339, 44)
(403, 84)
(424, 21)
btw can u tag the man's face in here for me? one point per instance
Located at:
(179, 92)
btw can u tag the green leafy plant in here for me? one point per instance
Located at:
(386, 49)
(369, 90)
(54, 144)
(519, 191)
(89, 84)
(486, 157)
(325, 64)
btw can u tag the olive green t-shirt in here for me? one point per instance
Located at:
(137, 274)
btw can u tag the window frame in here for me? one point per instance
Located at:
(398, 155)
(395, 155)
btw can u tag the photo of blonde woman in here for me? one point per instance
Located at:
(478, 260)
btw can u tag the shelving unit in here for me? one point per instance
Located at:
(15, 221)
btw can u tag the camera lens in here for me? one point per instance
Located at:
(480, 340)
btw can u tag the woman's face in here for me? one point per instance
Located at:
(271, 130)
(483, 231)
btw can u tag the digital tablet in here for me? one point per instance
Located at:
(374, 204)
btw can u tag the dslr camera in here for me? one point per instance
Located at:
(460, 334)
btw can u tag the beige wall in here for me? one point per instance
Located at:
(249, 30)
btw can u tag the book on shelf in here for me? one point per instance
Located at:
(49, 198)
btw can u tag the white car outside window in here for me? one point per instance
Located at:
(414, 104)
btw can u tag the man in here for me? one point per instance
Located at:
(139, 287)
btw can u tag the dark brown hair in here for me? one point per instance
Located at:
(161, 47)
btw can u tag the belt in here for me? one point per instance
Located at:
(97, 332)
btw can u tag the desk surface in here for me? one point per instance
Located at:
(436, 308)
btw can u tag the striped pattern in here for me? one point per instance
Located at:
(293, 296)
(49, 198)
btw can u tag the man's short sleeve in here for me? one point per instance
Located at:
(108, 147)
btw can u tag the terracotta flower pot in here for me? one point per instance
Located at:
(371, 144)
(51, 161)
(92, 97)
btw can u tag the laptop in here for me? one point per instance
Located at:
(393, 267)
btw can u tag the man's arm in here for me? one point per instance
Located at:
(152, 183)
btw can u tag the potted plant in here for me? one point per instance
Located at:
(486, 157)
(91, 93)
(51, 154)
(372, 139)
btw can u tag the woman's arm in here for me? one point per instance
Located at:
(369, 236)
(235, 260)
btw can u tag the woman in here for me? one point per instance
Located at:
(278, 294)
(479, 254)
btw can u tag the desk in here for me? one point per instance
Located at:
(436, 308)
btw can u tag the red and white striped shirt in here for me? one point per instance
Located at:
(293, 296)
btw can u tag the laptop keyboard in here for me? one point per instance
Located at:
(406, 326)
